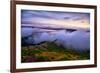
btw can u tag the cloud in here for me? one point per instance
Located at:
(53, 14)
(79, 40)
(59, 19)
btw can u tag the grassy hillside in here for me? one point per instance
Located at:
(49, 51)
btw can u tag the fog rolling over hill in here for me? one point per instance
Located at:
(78, 40)
(68, 29)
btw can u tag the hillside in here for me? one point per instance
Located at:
(50, 51)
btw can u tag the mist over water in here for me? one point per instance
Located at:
(79, 39)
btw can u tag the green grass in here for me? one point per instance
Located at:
(49, 51)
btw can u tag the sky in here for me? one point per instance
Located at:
(55, 19)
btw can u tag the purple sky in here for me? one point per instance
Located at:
(56, 19)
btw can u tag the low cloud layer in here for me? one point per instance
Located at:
(79, 40)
